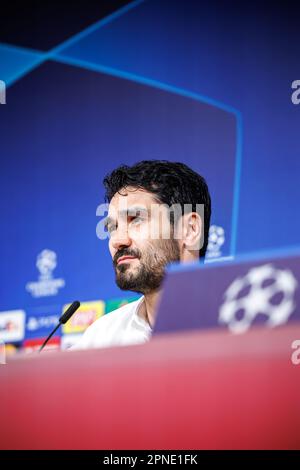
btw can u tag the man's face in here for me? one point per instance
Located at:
(141, 240)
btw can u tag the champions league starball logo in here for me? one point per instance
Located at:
(216, 239)
(46, 263)
(264, 290)
(46, 285)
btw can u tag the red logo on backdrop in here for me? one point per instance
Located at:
(32, 345)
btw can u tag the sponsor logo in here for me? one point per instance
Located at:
(35, 323)
(87, 313)
(32, 345)
(264, 290)
(12, 349)
(12, 326)
(46, 285)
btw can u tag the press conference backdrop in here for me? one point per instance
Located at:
(95, 85)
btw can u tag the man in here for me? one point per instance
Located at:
(159, 213)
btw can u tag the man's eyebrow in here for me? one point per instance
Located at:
(125, 212)
(133, 210)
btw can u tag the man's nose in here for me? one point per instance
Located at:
(120, 238)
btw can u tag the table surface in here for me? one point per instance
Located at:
(197, 390)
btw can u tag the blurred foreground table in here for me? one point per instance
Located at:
(197, 390)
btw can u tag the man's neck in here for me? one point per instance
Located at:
(148, 308)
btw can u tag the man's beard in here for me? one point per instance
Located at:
(149, 274)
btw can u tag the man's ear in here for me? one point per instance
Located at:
(191, 231)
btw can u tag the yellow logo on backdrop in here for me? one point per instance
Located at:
(87, 313)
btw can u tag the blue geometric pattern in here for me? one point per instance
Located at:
(15, 62)
(127, 47)
(79, 51)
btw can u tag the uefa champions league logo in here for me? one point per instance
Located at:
(264, 290)
(46, 263)
(46, 285)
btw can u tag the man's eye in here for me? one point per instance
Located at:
(111, 228)
(136, 220)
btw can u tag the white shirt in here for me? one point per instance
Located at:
(121, 327)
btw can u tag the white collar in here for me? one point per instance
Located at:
(137, 318)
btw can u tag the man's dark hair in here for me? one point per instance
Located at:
(170, 182)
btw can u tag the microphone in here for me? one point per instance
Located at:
(63, 319)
